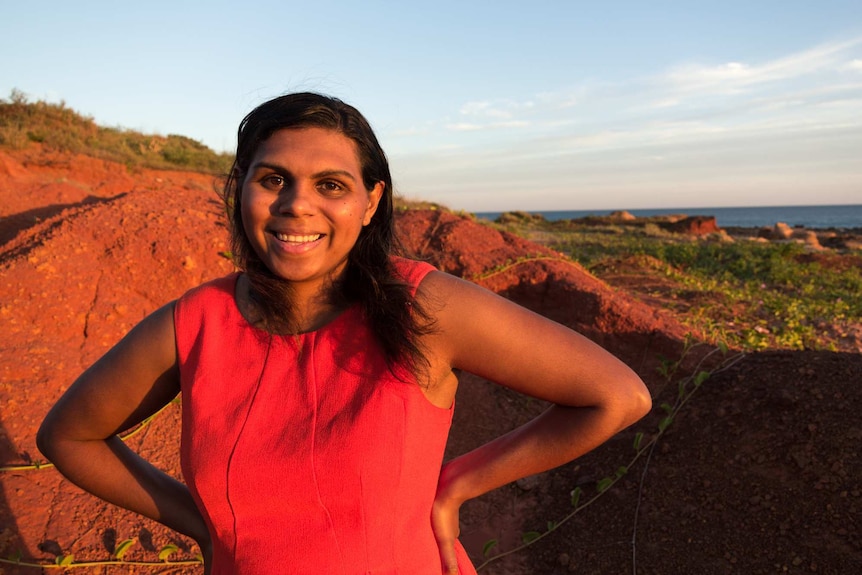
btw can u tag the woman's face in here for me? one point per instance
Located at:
(304, 204)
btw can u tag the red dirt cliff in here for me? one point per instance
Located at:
(758, 475)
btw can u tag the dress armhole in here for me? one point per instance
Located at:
(412, 271)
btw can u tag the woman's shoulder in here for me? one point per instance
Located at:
(218, 287)
(411, 271)
(219, 292)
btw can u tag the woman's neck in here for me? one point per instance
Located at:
(311, 309)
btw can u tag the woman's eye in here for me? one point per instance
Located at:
(330, 187)
(273, 182)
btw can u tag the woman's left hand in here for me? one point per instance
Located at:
(444, 522)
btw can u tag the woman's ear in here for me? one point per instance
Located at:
(374, 195)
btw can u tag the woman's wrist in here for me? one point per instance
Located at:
(451, 486)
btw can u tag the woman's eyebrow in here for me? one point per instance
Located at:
(269, 166)
(331, 173)
(316, 175)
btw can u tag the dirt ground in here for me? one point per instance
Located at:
(759, 472)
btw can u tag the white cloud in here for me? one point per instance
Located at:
(463, 127)
(735, 76)
(738, 127)
(475, 108)
(411, 131)
(473, 127)
(493, 115)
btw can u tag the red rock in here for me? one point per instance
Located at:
(693, 226)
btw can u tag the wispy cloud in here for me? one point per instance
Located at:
(475, 116)
(735, 122)
(475, 127)
(731, 77)
(503, 109)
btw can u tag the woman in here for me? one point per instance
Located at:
(318, 381)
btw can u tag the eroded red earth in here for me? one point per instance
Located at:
(758, 473)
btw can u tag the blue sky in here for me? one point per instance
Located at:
(491, 106)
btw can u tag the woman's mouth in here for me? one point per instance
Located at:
(297, 239)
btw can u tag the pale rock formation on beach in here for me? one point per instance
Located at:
(783, 232)
(808, 237)
(622, 215)
(780, 231)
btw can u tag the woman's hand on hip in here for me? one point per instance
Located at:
(444, 522)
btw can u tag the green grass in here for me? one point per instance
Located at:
(58, 127)
(751, 294)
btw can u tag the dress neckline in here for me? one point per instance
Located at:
(235, 308)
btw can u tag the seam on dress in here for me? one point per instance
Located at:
(236, 443)
(311, 345)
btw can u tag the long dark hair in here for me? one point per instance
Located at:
(396, 319)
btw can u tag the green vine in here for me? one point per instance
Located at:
(47, 464)
(514, 263)
(68, 562)
(686, 388)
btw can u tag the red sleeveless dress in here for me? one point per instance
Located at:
(304, 453)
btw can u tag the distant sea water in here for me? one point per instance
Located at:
(806, 216)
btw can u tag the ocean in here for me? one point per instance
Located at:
(806, 216)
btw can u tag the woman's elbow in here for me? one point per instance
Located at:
(639, 401)
(630, 401)
(48, 436)
(44, 438)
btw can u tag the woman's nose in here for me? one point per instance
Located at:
(295, 200)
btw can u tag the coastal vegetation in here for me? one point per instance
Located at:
(750, 294)
(59, 128)
(747, 292)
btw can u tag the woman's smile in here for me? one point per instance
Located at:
(294, 243)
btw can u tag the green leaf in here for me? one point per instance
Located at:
(167, 551)
(639, 436)
(123, 547)
(621, 470)
(664, 423)
(64, 560)
(722, 347)
(552, 525)
(603, 484)
(682, 388)
(530, 536)
(490, 544)
(576, 495)
(700, 378)
(667, 407)
(16, 556)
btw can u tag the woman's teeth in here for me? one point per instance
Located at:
(297, 239)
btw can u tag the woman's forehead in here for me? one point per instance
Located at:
(309, 146)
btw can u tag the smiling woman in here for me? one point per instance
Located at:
(303, 205)
(318, 382)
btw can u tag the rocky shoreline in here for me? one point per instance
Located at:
(837, 239)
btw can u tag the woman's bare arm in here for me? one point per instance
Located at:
(594, 394)
(79, 435)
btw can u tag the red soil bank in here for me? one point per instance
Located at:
(759, 474)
